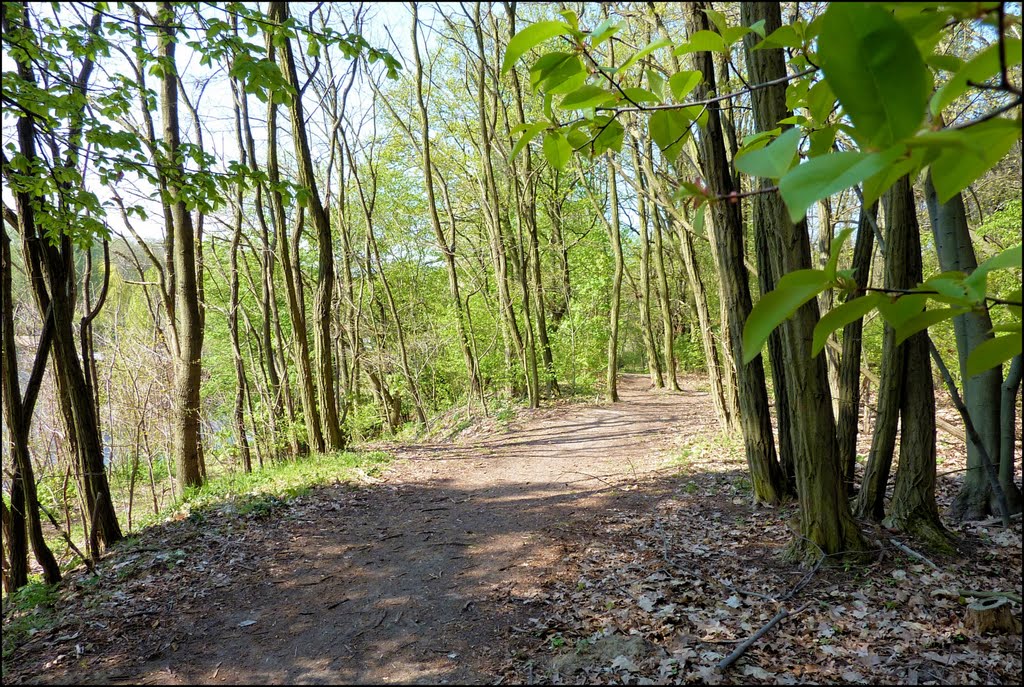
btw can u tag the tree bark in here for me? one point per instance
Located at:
(323, 299)
(766, 473)
(982, 391)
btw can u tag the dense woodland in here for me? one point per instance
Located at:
(237, 235)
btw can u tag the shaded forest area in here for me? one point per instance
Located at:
(247, 247)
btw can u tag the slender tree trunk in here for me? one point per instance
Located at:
(292, 280)
(766, 473)
(324, 296)
(982, 391)
(849, 362)
(913, 508)
(615, 238)
(446, 245)
(647, 329)
(825, 517)
(188, 366)
(24, 513)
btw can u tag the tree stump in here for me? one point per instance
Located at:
(991, 615)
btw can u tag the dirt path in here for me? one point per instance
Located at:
(420, 578)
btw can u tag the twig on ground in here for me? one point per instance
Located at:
(742, 648)
(913, 554)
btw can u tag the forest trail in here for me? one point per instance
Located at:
(420, 578)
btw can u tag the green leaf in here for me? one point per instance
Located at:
(683, 83)
(524, 140)
(898, 311)
(605, 30)
(822, 176)
(557, 150)
(668, 129)
(530, 37)
(875, 69)
(557, 69)
(644, 52)
(840, 316)
(913, 325)
(792, 291)
(702, 41)
(992, 353)
(835, 248)
(772, 161)
(978, 70)
(981, 147)
(657, 83)
(585, 96)
(782, 37)
(640, 95)
(1007, 259)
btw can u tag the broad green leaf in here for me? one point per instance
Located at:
(822, 176)
(758, 28)
(524, 140)
(782, 37)
(640, 95)
(820, 101)
(821, 140)
(555, 69)
(947, 63)
(913, 325)
(772, 161)
(683, 83)
(608, 135)
(992, 353)
(605, 30)
(644, 52)
(984, 145)
(835, 248)
(585, 96)
(840, 316)
(1007, 259)
(657, 83)
(898, 311)
(702, 41)
(979, 70)
(571, 17)
(759, 140)
(668, 129)
(792, 291)
(698, 220)
(875, 69)
(529, 37)
(948, 288)
(879, 183)
(557, 150)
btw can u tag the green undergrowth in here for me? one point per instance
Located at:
(27, 611)
(258, 493)
(252, 496)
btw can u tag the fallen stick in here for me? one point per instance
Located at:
(747, 643)
(913, 554)
(989, 595)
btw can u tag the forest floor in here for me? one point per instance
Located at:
(580, 543)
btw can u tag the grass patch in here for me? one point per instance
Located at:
(258, 494)
(26, 612)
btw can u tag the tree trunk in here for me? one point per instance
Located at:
(446, 245)
(765, 471)
(615, 237)
(323, 299)
(647, 329)
(982, 391)
(188, 366)
(825, 517)
(24, 513)
(913, 508)
(849, 362)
